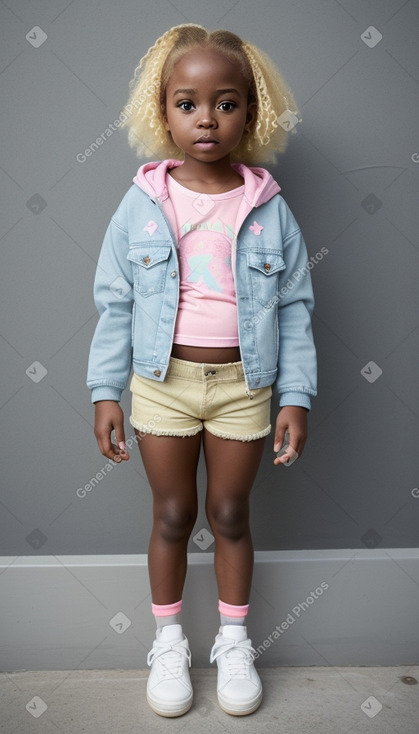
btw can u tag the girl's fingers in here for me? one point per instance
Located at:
(104, 442)
(123, 453)
(106, 447)
(279, 438)
(119, 453)
(111, 451)
(120, 448)
(288, 458)
(293, 451)
(291, 456)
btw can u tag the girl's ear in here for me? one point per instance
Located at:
(251, 116)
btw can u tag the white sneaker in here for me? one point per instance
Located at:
(169, 689)
(239, 689)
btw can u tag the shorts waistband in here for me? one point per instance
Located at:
(200, 371)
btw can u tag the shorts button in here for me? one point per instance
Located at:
(173, 274)
(267, 267)
(157, 373)
(146, 260)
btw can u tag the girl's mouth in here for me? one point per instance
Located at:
(206, 143)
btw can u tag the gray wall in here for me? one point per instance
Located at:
(351, 179)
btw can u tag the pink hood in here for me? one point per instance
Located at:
(259, 185)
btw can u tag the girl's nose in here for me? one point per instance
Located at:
(206, 120)
(207, 124)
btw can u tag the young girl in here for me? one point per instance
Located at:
(202, 288)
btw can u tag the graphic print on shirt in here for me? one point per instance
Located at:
(207, 287)
(205, 260)
(198, 266)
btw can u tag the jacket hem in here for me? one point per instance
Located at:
(106, 392)
(297, 398)
(260, 379)
(297, 389)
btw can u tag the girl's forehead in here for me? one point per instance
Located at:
(208, 62)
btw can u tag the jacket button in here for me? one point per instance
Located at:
(146, 259)
(157, 373)
(173, 274)
(267, 267)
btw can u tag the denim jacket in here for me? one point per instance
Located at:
(136, 292)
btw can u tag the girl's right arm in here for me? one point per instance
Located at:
(111, 349)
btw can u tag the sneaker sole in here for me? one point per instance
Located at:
(239, 709)
(162, 708)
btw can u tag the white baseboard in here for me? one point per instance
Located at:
(328, 607)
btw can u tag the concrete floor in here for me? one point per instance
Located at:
(305, 700)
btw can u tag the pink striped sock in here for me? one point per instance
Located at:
(231, 613)
(165, 614)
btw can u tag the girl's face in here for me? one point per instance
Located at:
(206, 105)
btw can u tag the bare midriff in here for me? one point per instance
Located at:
(209, 355)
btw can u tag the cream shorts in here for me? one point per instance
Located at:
(197, 395)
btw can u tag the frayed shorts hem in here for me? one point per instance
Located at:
(233, 437)
(248, 437)
(185, 433)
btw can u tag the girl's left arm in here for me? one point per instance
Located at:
(297, 361)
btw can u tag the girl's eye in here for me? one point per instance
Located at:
(186, 106)
(227, 106)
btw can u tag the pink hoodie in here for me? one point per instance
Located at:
(259, 185)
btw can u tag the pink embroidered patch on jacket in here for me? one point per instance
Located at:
(151, 227)
(256, 228)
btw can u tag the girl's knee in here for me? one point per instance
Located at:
(228, 520)
(174, 523)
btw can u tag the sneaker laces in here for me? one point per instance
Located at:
(239, 656)
(172, 656)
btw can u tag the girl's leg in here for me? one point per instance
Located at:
(170, 463)
(231, 470)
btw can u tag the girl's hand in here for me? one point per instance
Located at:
(291, 418)
(109, 416)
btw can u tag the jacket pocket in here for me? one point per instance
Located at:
(264, 267)
(149, 267)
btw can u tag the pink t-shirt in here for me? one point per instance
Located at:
(204, 225)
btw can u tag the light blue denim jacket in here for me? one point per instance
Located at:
(136, 292)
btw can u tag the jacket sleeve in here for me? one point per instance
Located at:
(110, 356)
(297, 361)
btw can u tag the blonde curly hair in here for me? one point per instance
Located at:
(144, 113)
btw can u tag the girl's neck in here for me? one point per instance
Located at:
(207, 178)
